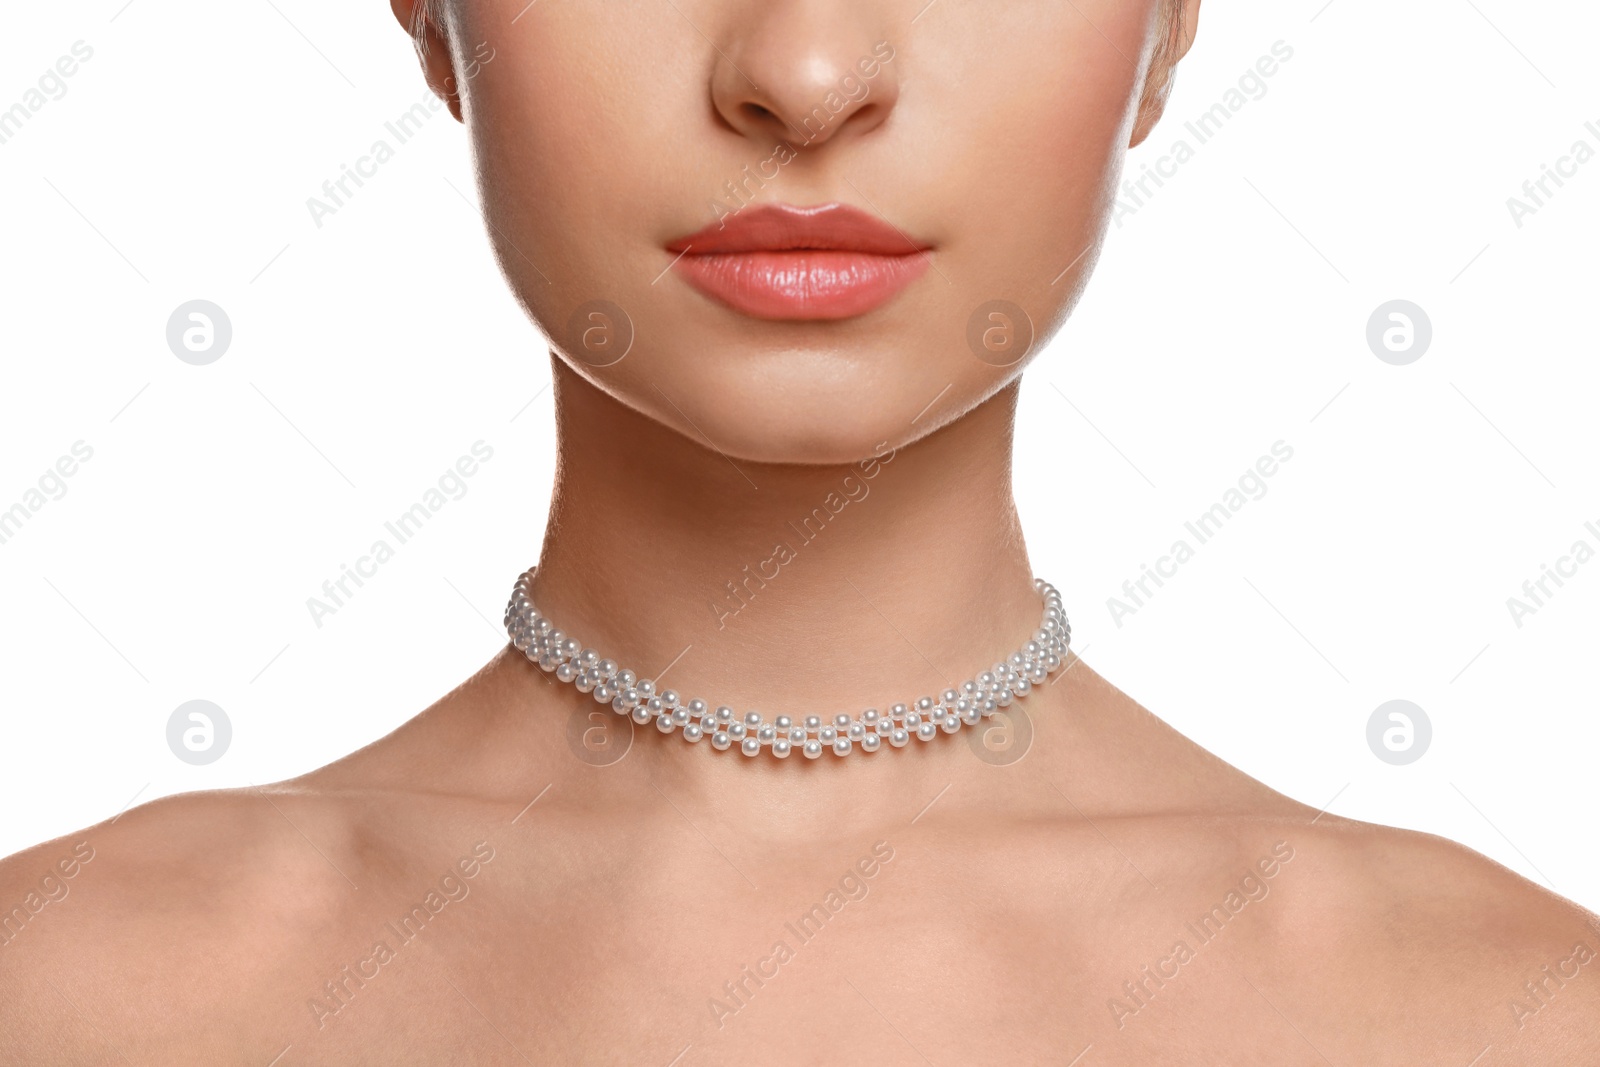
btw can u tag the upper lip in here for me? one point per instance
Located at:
(785, 228)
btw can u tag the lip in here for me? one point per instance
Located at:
(776, 261)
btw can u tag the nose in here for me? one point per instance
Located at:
(805, 71)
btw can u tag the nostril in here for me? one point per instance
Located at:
(757, 113)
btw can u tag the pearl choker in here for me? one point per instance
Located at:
(976, 699)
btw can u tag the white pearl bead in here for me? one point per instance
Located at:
(813, 722)
(665, 724)
(870, 743)
(783, 722)
(720, 740)
(752, 718)
(693, 732)
(827, 734)
(641, 715)
(841, 747)
(812, 749)
(750, 746)
(927, 732)
(697, 707)
(780, 748)
(841, 721)
(797, 735)
(951, 724)
(898, 737)
(767, 734)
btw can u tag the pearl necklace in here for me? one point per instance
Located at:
(565, 656)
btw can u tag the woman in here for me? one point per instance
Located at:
(792, 258)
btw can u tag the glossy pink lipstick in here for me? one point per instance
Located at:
(832, 261)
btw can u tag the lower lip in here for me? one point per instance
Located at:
(803, 284)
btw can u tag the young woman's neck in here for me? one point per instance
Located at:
(785, 588)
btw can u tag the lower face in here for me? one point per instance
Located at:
(790, 229)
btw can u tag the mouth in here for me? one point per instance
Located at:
(832, 261)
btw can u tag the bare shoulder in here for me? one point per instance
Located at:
(1436, 948)
(193, 899)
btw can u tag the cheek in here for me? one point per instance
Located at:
(571, 149)
(1035, 135)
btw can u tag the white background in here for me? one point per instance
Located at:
(1229, 312)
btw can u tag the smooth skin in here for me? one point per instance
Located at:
(1107, 893)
